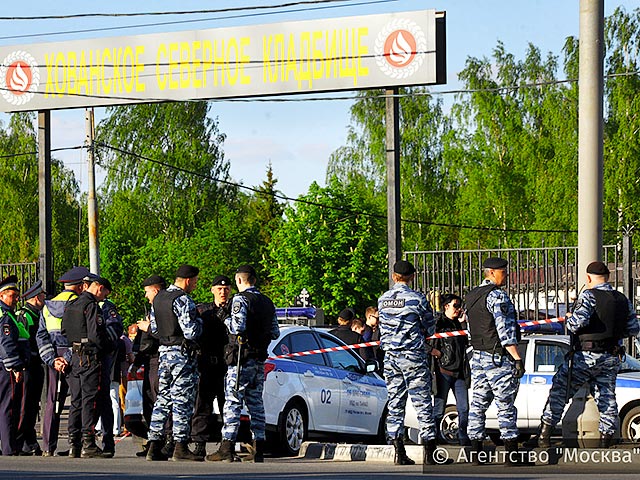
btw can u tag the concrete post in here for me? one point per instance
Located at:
(393, 178)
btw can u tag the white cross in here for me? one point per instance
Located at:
(304, 296)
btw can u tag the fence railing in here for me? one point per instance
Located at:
(27, 273)
(541, 282)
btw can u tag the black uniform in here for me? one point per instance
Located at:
(84, 327)
(29, 316)
(348, 336)
(212, 369)
(146, 350)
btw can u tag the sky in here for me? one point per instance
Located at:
(297, 137)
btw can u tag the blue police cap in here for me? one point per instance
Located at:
(34, 290)
(9, 283)
(74, 276)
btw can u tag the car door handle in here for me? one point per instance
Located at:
(539, 380)
(347, 380)
(309, 374)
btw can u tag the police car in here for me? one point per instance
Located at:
(543, 355)
(329, 392)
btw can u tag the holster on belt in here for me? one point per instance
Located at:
(85, 352)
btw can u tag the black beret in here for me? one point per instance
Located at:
(154, 280)
(33, 291)
(495, 263)
(247, 269)
(221, 280)
(598, 268)
(74, 276)
(102, 281)
(402, 267)
(187, 271)
(347, 314)
(9, 283)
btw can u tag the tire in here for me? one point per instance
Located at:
(449, 426)
(630, 430)
(293, 428)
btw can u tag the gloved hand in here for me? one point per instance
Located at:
(519, 373)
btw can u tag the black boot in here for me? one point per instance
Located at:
(256, 452)
(108, 446)
(477, 453)
(182, 454)
(429, 450)
(168, 447)
(89, 447)
(226, 452)
(200, 449)
(606, 440)
(401, 457)
(75, 445)
(516, 457)
(544, 439)
(154, 451)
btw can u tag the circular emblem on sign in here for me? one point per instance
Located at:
(400, 48)
(19, 77)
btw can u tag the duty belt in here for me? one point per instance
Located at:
(598, 346)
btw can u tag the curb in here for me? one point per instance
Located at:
(344, 452)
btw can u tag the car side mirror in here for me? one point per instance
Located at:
(372, 365)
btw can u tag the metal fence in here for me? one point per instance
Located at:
(541, 282)
(27, 273)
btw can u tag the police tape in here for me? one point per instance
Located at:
(456, 333)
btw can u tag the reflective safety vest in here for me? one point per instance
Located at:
(51, 321)
(22, 331)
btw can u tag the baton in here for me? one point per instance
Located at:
(238, 366)
(58, 388)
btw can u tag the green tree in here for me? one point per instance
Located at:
(329, 245)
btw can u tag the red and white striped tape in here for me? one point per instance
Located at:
(456, 333)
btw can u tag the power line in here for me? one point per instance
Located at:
(182, 22)
(317, 204)
(179, 12)
(24, 154)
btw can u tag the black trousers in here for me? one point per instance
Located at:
(84, 382)
(210, 387)
(34, 381)
(103, 407)
(150, 385)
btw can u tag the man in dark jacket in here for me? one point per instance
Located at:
(344, 332)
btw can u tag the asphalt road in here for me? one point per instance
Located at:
(126, 465)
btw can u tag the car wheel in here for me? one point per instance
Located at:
(293, 428)
(631, 425)
(449, 425)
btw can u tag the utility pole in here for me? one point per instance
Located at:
(392, 126)
(44, 201)
(92, 207)
(591, 86)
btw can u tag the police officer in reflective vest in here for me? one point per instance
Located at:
(29, 316)
(601, 319)
(406, 319)
(85, 329)
(496, 365)
(14, 356)
(54, 351)
(252, 326)
(211, 365)
(174, 319)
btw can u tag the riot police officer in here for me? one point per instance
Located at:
(601, 319)
(174, 319)
(85, 329)
(496, 365)
(406, 319)
(211, 366)
(54, 351)
(252, 325)
(14, 356)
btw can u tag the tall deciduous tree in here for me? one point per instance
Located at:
(330, 246)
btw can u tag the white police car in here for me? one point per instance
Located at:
(324, 393)
(543, 355)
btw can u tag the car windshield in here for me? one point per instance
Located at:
(630, 364)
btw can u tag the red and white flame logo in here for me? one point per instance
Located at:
(400, 48)
(19, 78)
